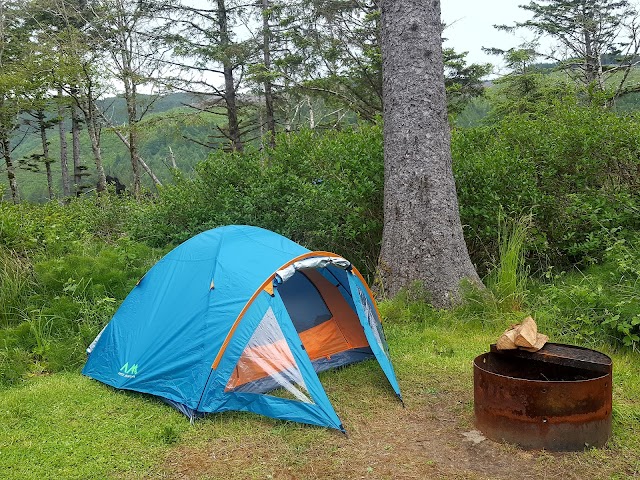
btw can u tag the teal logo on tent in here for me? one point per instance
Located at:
(128, 371)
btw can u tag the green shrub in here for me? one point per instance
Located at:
(575, 170)
(64, 269)
(601, 304)
(322, 190)
(53, 229)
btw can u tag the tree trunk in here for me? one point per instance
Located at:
(229, 84)
(45, 151)
(593, 62)
(94, 137)
(64, 166)
(11, 174)
(130, 96)
(142, 163)
(422, 238)
(172, 159)
(312, 120)
(75, 149)
(268, 90)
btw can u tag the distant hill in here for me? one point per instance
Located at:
(116, 108)
(166, 125)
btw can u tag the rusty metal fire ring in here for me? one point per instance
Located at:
(557, 399)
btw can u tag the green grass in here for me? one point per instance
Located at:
(15, 285)
(508, 279)
(68, 426)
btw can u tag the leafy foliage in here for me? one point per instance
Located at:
(323, 191)
(588, 32)
(67, 270)
(575, 170)
(599, 305)
(572, 172)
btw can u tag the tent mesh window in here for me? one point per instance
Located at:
(374, 322)
(267, 364)
(325, 321)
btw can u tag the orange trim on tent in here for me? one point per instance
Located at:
(227, 339)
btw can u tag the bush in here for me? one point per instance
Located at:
(321, 190)
(575, 170)
(72, 273)
(600, 304)
(94, 271)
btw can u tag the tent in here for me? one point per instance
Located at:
(241, 318)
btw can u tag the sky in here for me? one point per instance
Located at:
(470, 27)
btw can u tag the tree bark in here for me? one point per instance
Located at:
(45, 151)
(130, 97)
(126, 52)
(268, 90)
(64, 165)
(137, 157)
(11, 175)
(593, 62)
(90, 112)
(94, 137)
(7, 119)
(75, 149)
(422, 237)
(230, 96)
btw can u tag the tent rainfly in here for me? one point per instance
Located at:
(241, 318)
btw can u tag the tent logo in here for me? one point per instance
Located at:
(127, 371)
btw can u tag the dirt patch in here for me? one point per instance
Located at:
(424, 440)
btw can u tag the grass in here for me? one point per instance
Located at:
(15, 283)
(63, 425)
(67, 426)
(508, 280)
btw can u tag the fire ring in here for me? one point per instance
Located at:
(557, 399)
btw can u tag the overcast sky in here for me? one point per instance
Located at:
(470, 26)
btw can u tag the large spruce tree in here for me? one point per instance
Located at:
(422, 237)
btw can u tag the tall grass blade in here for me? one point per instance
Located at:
(508, 280)
(15, 285)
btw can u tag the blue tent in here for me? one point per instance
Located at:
(241, 318)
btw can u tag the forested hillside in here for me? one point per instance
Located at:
(171, 130)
